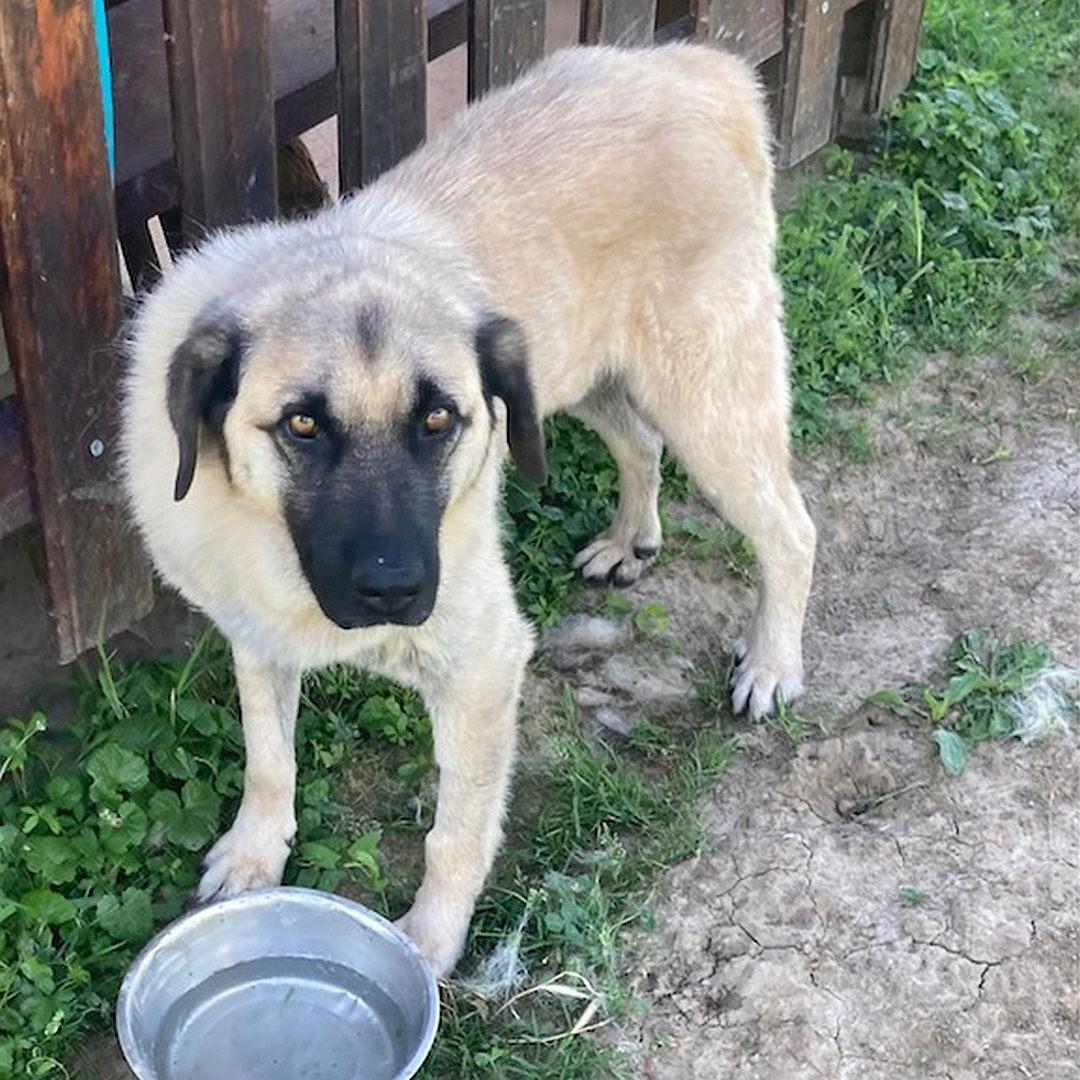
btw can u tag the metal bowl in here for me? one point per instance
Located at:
(282, 984)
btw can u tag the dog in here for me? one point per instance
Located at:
(317, 415)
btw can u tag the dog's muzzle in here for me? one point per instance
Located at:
(380, 590)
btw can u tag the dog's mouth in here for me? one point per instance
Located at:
(354, 616)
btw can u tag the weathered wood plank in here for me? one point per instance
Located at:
(505, 37)
(752, 28)
(382, 85)
(629, 23)
(15, 507)
(810, 84)
(897, 31)
(60, 302)
(218, 55)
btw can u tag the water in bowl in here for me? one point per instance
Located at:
(283, 1018)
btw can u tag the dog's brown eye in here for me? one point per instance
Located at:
(438, 420)
(302, 426)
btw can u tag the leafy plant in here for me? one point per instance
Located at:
(985, 694)
(102, 832)
(930, 242)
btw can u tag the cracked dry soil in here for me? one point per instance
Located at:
(855, 913)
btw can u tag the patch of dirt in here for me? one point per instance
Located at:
(932, 936)
(855, 913)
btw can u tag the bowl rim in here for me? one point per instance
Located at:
(144, 1068)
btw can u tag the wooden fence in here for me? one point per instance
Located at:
(203, 93)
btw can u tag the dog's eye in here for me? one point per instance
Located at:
(302, 426)
(438, 421)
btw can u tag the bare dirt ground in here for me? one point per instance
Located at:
(791, 947)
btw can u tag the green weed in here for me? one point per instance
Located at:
(914, 897)
(990, 689)
(715, 542)
(545, 527)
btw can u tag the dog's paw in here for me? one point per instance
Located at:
(438, 932)
(609, 559)
(760, 685)
(242, 860)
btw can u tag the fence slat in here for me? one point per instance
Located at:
(382, 85)
(60, 301)
(810, 80)
(629, 23)
(15, 508)
(752, 28)
(505, 37)
(218, 54)
(897, 32)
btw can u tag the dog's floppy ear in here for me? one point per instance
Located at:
(203, 376)
(504, 371)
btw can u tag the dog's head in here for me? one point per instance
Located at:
(356, 409)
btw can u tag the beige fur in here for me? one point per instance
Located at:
(618, 207)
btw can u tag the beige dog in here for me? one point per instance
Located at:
(317, 414)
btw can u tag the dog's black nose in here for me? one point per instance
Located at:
(386, 587)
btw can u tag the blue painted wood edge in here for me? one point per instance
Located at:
(102, 27)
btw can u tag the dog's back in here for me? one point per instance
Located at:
(642, 131)
(615, 183)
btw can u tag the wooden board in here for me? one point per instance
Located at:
(505, 37)
(810, 88)
(218, 55)
(15, 508)
(628, 23)
(60, 302)
(752, 28)
(897, 33)
(382, 84)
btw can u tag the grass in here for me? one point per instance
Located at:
(926, 242)
(933, 240)
(102, 839)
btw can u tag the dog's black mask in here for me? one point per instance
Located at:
(364, 510)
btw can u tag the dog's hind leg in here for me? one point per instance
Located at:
(626, 547)
(253, 853)
(725, 417)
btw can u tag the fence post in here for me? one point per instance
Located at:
(60, 301)
(223, 110)
(382, 85)
(895, 50)
(505, 37)
(808, 102)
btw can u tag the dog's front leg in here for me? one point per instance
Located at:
(474, 730)
(252, 854)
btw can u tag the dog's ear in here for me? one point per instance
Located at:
(203, 377)
(504, 371)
